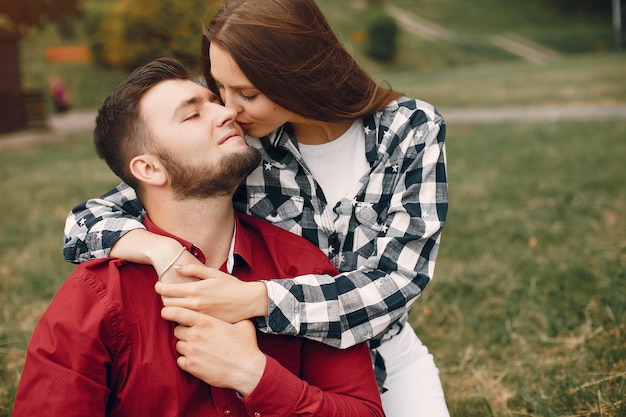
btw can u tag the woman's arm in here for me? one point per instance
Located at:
(362, 303)
(93, 227)
(163, 253)
(112, 225)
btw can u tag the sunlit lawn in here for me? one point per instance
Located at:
(38, 186)
(526, 313)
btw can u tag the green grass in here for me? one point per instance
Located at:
(415, 54)
(39, 186)
(536, 20)
(474, 23)
(527, 311)
(589, 79)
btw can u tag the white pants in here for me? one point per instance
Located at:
(414, 387)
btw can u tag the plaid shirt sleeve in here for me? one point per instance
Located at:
(92, 227)
(386, 265)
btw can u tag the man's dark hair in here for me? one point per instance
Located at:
(120, 133)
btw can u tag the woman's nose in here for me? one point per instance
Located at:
(230, 100)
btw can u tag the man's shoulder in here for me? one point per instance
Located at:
(98, 266)
(109, 280)
(90, 286)
(104, 271)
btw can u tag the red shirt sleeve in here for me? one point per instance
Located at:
(55, 381)
(323, 390)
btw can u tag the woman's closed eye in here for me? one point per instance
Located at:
(242, 92)
(247, 97)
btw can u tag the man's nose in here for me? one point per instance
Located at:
(225, 115)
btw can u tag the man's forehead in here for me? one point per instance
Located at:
(174, 89)
(166, 96)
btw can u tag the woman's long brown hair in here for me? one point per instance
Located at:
(288, 51)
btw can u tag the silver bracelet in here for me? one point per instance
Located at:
(172, 263)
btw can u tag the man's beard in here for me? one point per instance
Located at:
(223, 178)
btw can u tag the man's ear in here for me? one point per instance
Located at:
(148, 169)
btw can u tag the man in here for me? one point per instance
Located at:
(102, 348)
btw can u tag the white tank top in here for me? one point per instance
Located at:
(338, 165)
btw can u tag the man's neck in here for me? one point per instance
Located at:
(207, 223)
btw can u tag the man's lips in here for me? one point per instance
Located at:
(229, 135)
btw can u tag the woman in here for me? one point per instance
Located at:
(356, 169)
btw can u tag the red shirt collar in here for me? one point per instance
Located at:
(242, 250)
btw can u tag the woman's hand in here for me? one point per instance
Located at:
(217, 294)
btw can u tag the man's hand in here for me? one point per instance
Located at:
(221, 354)
(217, 294)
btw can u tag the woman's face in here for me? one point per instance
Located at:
(256, 113)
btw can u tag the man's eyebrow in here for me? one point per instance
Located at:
(213, 97)
(186, 104)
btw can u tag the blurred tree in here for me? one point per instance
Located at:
(18, 108)
(382, 34)
(18, 16)
(129, 33)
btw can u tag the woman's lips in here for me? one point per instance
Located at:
(245, 126)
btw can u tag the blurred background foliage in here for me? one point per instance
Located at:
(19, 16)
(121, 34)
(124, 34)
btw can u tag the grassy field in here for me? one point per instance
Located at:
(526, 314)
(38, 188)
(537, 20)
(583, 80)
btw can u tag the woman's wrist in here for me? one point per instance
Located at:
(172, 262)
(144, 247)
(161, 251)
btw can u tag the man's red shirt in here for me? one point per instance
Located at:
(102, 349)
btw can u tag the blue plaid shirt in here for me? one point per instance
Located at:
(384, 238)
